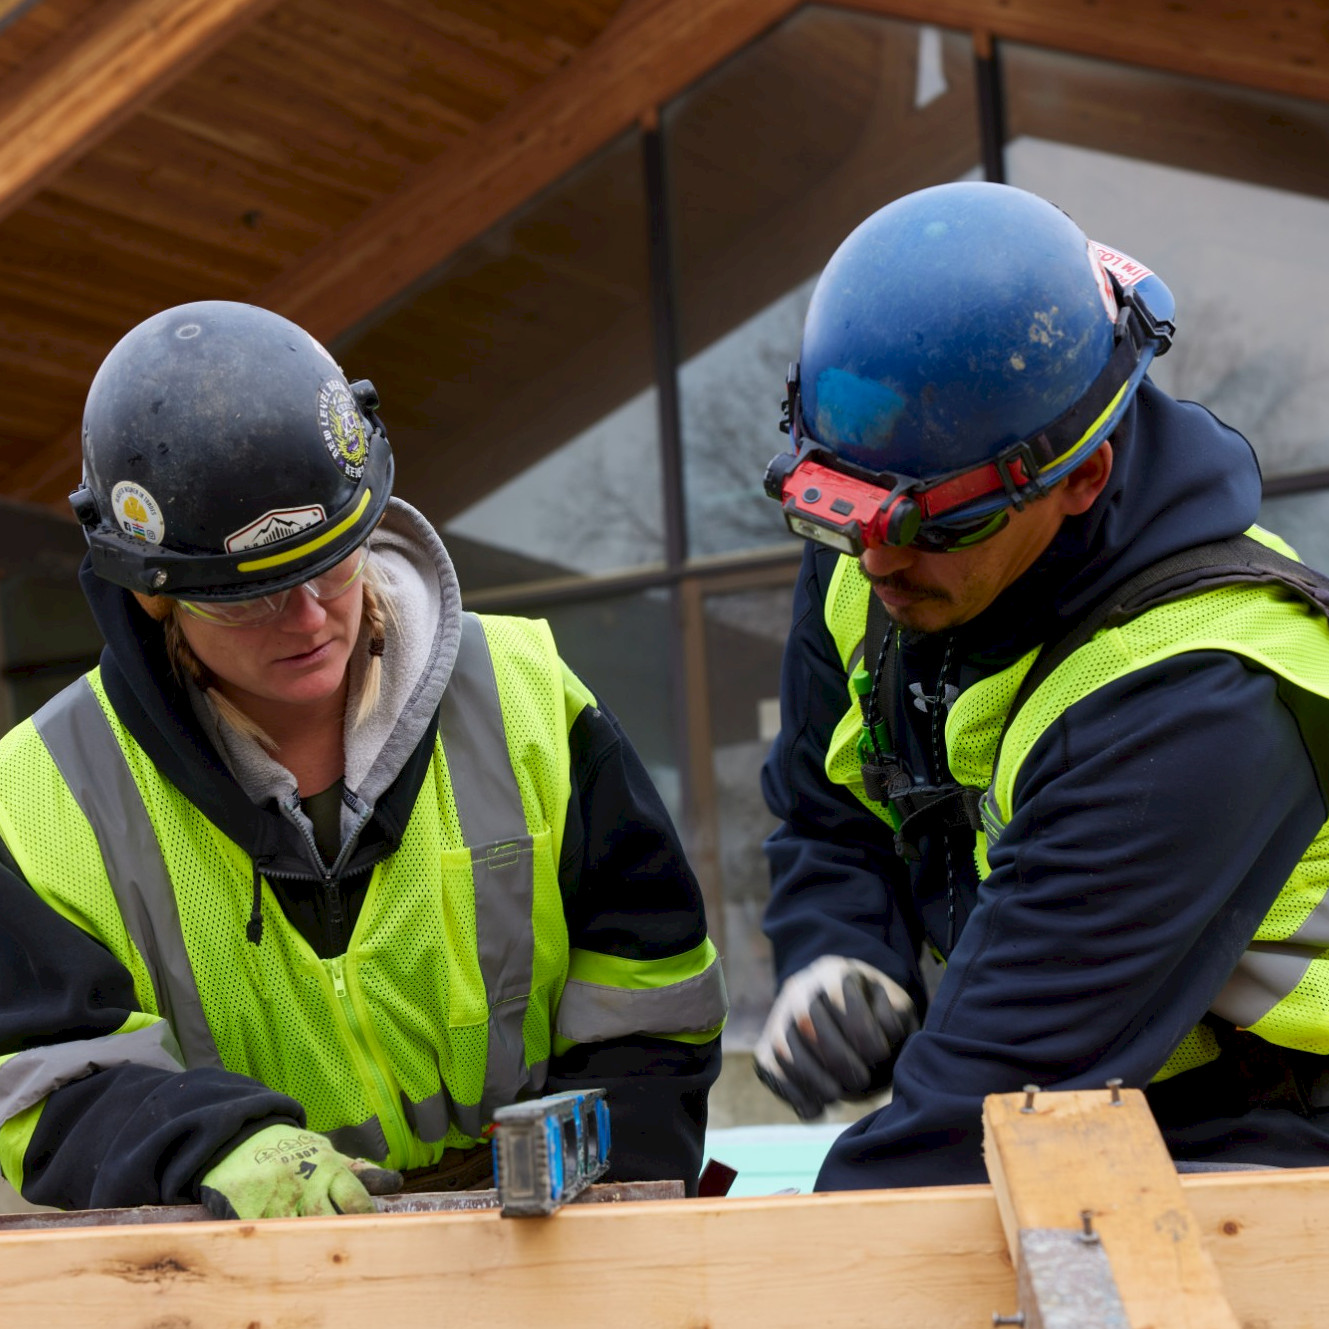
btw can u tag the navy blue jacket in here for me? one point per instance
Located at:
(136, 1135)
(1155, 822)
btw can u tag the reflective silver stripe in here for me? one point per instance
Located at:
(1263, 977)
(27, 1077)
(493, 823)
(76, 733)
(1315, 930)
(990, 816)
(364, 1141)
(593, 1012)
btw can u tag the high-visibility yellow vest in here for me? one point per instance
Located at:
(1280, 988)
(458, 981)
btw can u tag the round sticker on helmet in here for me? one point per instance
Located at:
(343, 428)
(137, 513)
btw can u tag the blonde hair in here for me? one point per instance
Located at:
(379, 611)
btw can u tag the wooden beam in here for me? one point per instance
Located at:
(651, 51)
(1277, 48)
(934, 1257)
(1091, 1166)
(83, 86)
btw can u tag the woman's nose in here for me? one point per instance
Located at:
(302, 611)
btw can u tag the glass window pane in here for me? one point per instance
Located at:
(1221, 191)
(517, 386)
(617, 647)
(1303, 521)
(745, 636)
(773, 159)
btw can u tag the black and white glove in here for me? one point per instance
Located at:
(834, 1032)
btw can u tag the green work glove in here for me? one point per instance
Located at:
(284, 1171)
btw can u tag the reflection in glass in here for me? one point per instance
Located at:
(773, 159)
(517, 386)
(1303, 521)
(618, 647)
(745, 636)
(1192, 179)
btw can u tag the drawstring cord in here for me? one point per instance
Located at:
(254, 928)
(943, 769)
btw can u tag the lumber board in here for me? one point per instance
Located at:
(84, 86)
(870, 1260)
(1094, 1160)
(934, 1257)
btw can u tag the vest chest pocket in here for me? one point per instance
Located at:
(492, 896)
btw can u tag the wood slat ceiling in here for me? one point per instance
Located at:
(323, 156)
(273, 143)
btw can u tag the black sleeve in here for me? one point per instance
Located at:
(628, 891)
(1154, 824)
(128, 1134)
(836, 882)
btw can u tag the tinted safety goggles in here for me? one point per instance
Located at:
(329, 585)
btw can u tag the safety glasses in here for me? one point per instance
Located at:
(336, 581)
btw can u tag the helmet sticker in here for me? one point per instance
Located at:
(273, 526)
(137, 513)
(343, 428)
(1105, 291)
(1122, 266)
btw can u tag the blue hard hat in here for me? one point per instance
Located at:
(968, 319)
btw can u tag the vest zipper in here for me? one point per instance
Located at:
(365, 1048)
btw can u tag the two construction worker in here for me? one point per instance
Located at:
(316, 870)
(1051, 773)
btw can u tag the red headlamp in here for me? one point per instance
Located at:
(851, 513)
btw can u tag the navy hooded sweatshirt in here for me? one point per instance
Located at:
(1155, 822)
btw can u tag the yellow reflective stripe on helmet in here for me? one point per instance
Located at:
(290, 555)
(1089, 433)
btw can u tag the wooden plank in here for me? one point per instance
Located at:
(872, 1258)
(82, 87)
(1056, 1158)
(932, 1258)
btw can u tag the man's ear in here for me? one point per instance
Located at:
(1085, 483)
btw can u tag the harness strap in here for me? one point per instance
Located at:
(1201, 568)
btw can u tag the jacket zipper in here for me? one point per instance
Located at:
(396, 1131)
(367, 1053)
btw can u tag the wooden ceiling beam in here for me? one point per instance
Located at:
(1277, 48)
(90, 81)
(650, 52)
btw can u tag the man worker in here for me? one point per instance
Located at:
(1113, 842)
(316, 868)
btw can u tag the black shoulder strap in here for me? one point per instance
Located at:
(1200, 568)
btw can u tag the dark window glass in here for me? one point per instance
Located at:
(517, 386)
(773, 159)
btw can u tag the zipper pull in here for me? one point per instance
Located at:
(338, 977)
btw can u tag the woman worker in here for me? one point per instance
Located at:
(316, 868)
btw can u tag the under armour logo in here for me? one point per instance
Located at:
(926, 703)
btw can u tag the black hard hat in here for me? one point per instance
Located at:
(225, 456)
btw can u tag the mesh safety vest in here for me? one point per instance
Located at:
(1280, 988)
(457, 982)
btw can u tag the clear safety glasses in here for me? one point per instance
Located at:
(336, 581)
